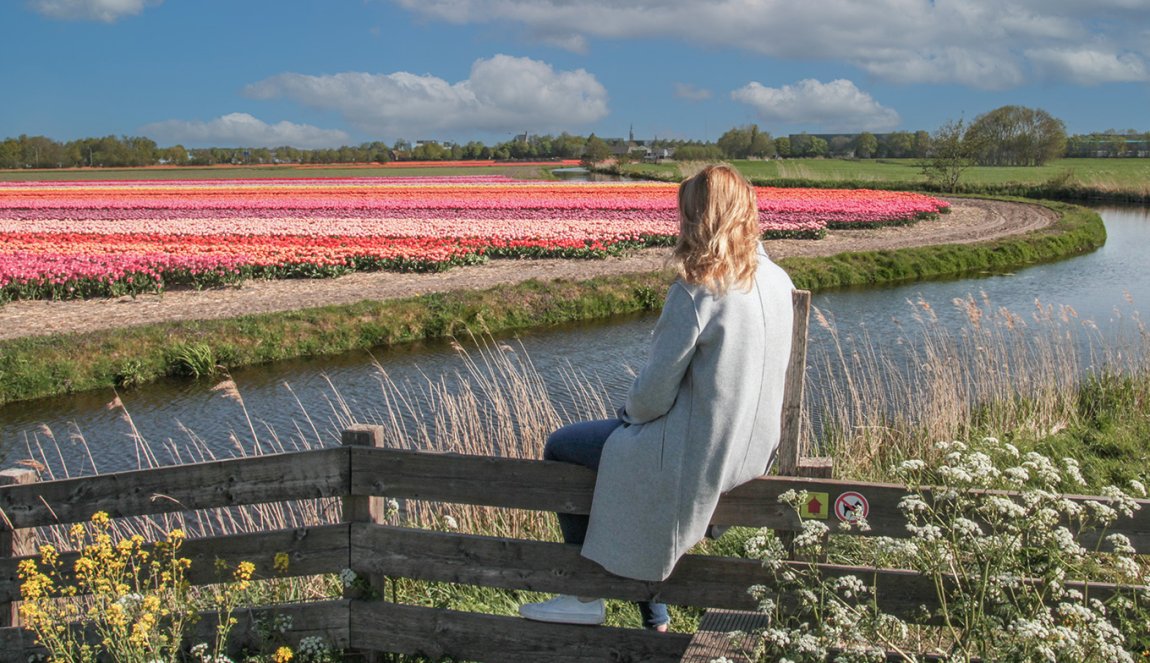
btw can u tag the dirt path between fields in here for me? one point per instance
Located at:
(969, 221)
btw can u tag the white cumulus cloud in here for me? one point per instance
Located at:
(837, 105)
(502, 93)
(1090, 67)
(107, 11)
(243, 130)
(984, 44)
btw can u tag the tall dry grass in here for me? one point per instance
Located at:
(495, 403)
(879, 401)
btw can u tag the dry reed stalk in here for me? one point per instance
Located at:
(996, 371)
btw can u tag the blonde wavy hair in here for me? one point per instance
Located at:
(718, 230)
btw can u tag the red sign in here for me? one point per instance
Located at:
(850, 506)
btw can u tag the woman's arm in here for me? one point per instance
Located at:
(672, 346)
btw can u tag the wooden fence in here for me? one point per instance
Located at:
(358, 476)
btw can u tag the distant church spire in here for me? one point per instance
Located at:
(631, 134)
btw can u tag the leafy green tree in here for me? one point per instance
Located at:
(736, 142)
(595, 150)
(952, 153)
(762, 145)
(841, 146)
(10, 154)
(783, 146)
(865, 145)
(1018, 136)
(568, 146)
(899, 145)
(920, 145)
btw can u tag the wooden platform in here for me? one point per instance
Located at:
(713, 639)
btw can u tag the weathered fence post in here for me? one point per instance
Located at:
(364, 509)
(791, 461)
(14, 542)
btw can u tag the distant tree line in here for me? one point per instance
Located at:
(1006, 136)
(126, 151)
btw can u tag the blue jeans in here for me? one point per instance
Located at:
(582, 444)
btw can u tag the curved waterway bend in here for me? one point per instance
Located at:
(305, 401)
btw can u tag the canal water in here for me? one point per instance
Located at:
(294, 404)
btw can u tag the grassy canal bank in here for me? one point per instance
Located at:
(44, 366)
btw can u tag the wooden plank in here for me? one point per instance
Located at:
(323, 619)
(436, 633)
(310, 551)
(698, 580)
(272, 478)
(472, 479)
(788, 453)
(715, 636)
(553, 486)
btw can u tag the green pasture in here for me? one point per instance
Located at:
(1100, 175)
(1103, 175)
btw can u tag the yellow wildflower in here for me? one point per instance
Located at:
(281, 562)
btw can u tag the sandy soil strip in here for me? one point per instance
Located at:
(969, 221)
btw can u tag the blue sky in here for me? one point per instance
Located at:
(317, 73)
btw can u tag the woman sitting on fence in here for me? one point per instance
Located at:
(703, 415)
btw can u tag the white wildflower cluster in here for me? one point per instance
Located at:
(856, 524)
(780, 644)
(314, 649)
(812, 536)
(1068, 545)
(850, 587)
(925, 532)
(1120, 500)
(794, 498)
(1016, 477)
(766, 547)
(913, 507)
(201, 654)
(1120, 544)
(897, 552)
(910, 468)
(1072, 472)
(348, 577)
(1100, 513)
(992, 528)
(966, 527)
(1042, 468)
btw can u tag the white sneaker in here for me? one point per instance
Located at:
(564, 609)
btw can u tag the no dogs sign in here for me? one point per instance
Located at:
(850, 506)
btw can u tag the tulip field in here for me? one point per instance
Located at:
(65, 240)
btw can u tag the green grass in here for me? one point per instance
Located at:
(1065, 178)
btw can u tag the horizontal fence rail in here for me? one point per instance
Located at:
(362, 475)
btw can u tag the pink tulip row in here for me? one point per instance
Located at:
(79, 239)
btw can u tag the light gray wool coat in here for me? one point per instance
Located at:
(702, 417)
